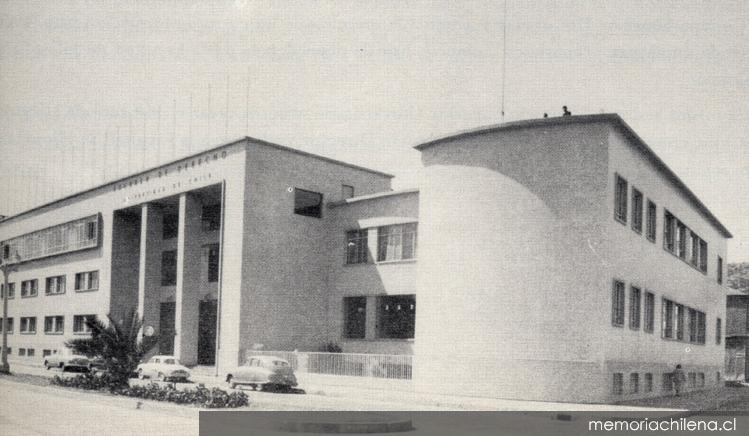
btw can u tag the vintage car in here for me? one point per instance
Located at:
(261, 372)
(66, 360)
(163, 368)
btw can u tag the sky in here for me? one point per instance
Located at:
(91, 91)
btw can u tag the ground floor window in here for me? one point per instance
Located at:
(396, 316)
(355, 321)
(668, 385)
(648, 382)
(634, 383)
(618, 386)
(79, 323)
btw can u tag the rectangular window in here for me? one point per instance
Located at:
(21, 351)
(347, 191)
(692, 377)
(87, 281)
(11, 290)
(55, 285)
(170, 225)
(617, 304)
(618, 385)
(701, 379)
(718, 331)
(620, 199)
(62, 238)
(355, 321)
(396, 242)
(54, 325)
(30, 352)
(396, 316)
(635, 301)
(29, 288)
(649, 312)
(680, 322)
(213, 262)
(169, 268)
(681, 240)
(667, 316)
(648, 382)
(356, 246)
(692, 325)
(79, 323)
(720, 270)
(211, 217)
(652, 221)
(669, 231)
(307, 203)
(636, 210)
(8, 323)
(701, 327)
(703, 256)
(695, 248)
(46, 353)
(634, 383)
(28, 325)
(667, 382)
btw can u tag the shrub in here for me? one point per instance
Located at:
(199, 396)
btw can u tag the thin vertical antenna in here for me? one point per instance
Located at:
(174, 128)
(129, 142)
(105, 155)
(247, 106)
(189, 128)
(158, 135)
(209, 113)
(504, 56)
(117, 153)
(143, 152)
(226, 114)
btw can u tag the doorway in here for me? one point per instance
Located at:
(166, 327)
(207, 332)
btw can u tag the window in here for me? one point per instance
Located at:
(635, 299)
(700, 327)
(62, 238)
(718, 331)
(620, 199)
(29, 288)
(679, 322)
(634, 383)
(396, 315)
(720, 270)
(28, 325)
(649, 312)
(55, 285)
(617, 304)
(651, 222)
(692, 380)
(618, 386)
(701, 379)
(703, 256)
(30, 352)
(648, 382)
(669, 231)
(11, 290)
(9, 350)
(694, 243)
(347, 191)
(79, 323)
(169, 268)
(91, 230)
(9, 324)
(396, 242)
(668, 319)
(307, 203)
(6, 251)
(667, 383)
(170, 225)
(46, 353)
(681, 240)
(692, 325)
(355, 311)
(213, 262)
(636, 210)
(211, 217)
(356, 246)
(87, 281)
(21, 351)
(54, 324)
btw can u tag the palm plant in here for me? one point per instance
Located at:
(117, 343)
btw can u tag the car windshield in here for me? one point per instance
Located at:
(170, 361)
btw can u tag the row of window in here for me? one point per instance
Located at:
(62, 238)
(678, 239)
(395, 242)
(55, 285)
(53, 325)
(396, 317)
(210, 219)
(169, 265)
(678, 322)
(695, 380)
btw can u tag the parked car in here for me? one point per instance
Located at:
(263, 371)
(66, 360)
(163, 368)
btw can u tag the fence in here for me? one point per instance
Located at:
(386, 366)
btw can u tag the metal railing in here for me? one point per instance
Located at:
(388, 366)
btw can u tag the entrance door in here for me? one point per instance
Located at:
(166, 327)
(207, 333)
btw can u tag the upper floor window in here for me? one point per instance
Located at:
(29, 288)
(649, 314)
(87, 281)
(703, 256)
(720, 270)
(681, 240)
(397, 242)
(636, 210)
(80, 324)
(694, 243)
(169, 268)
(8, 323)
(211, 217)
(617, 304)
(718, 331)
(669, 231)
(356, 246)
(54, 324)
(28, 324)
(620, 199)
(11, 290)
(213, 262)
(62, 238)
(651, 221)
(170, 225)
(667, 318)
(635, 304)
(396, 316)
(307, 203)
(55, 285)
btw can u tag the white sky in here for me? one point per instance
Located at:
(363, 82)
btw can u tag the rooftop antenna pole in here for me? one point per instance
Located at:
(210, 125)
(226, 115)
(504, 56)
(247, 106)
(174, 128)
(143, 152)
(189, 127)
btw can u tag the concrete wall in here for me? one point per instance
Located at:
(373, 278)
(125, 264)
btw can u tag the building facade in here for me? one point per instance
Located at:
(555, 259)
(737, 336)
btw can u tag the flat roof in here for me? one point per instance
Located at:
(189, 156)
(611, 118)
(372, 197)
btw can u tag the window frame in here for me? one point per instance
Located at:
(385, 331)
(56, 328)
(168, 272)
(637, 210)
(86, 278)
(635, 307)
(27, 325)
(621, 199)
(83, 322)
(618, 298)
(55, 285)
(385, 234)
(651, 221)
(169, 226)
(720, 271)
(308, 211)
(34, 288)
(649, 312)
(360, 240)
(355, 329)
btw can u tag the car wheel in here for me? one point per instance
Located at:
(229, 381)
(46, 365)
(141, 376)
(160, 376)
